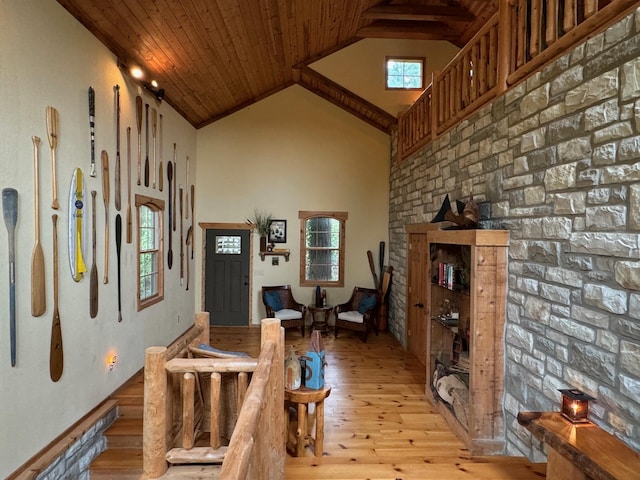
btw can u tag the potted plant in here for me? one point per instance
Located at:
(262, 220)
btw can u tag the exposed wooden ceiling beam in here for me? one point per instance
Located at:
(407, 30)
(418, 13)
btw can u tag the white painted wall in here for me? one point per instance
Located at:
(48, 58)
(294, 151)
(360, 68)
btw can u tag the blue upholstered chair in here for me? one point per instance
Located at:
(279, 303)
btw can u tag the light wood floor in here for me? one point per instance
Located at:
(378, 424)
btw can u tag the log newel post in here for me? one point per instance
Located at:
(504, 45)
(202, 321)
(274, 413)
(154, 463)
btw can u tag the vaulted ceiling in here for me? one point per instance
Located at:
(214, 57)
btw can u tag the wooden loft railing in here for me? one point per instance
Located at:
(174, 410)
(520, 39)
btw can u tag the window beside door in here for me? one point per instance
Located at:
(150, 255)
(322, 248)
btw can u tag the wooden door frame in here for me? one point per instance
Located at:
(226, 226)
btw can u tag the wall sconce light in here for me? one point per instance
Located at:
(575, 405)
(112, 360)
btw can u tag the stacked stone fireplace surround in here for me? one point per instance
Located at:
(556, 161)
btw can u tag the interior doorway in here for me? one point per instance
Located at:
(227, 274)
(418, 275)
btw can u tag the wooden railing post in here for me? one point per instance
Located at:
(273, 416)
(202, 320)
(154, 444)
(504, 45)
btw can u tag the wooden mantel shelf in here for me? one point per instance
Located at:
(580, 451)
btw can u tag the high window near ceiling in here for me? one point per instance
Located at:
(404, 73)
(150, 257)
(322, 248)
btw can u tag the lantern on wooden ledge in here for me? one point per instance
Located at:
(575, 405)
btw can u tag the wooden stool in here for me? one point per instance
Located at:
(303, 397)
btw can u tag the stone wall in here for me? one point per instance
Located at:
(557, 161)
(75, 461)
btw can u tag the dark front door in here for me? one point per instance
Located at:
(226, 281)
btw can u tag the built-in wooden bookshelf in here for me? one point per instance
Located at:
(476, 285)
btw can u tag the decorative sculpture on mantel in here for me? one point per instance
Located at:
(467, 219)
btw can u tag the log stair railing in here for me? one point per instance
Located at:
(523, 37)
(173, 410)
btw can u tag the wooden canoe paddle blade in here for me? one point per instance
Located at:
(93, 279)
(56, 355)
(38, 291)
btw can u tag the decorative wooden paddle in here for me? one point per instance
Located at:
(181, 242)
(56, 355)
(154, 131)
(92, 128)
(186, 200)
(52, 133)
(129, 220)
(188, 242)
(118, 246)
(139, 125)
(372, 267)
(117, 197)
(160, 176)
(146, 160)
(193, 192)
(10, 213)
(175, 186)
(93, 279)
(38, 291)
(171, 207)
(105, 198)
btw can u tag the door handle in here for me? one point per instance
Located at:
(419, 305)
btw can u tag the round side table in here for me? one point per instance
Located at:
(323, 323)
(302, 397)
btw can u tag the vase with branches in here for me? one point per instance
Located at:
(262, 220)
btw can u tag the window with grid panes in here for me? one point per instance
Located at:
(322, 248)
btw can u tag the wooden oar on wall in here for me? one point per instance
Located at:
(139, 125)
(105, 198)
(56, 355)
(52, 133)
(117, 197)
(38, 291)
(93, 279)
(10, 213)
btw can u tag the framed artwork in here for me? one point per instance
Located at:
(278, 231)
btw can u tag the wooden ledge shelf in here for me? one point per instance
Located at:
(580, 451)
(284, 254)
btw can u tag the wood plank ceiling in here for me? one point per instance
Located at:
(214, 57)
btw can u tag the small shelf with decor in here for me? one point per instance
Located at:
(276, 252)
(466, 298)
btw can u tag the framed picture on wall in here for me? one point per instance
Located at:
(278, 231)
